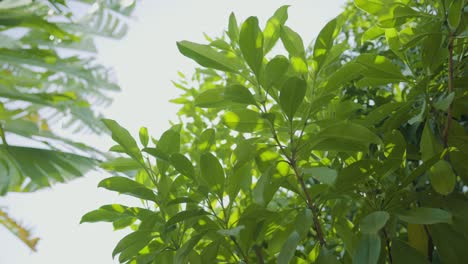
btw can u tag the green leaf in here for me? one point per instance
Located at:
(379, 67)
(251, 44)
(121, 164)
(291, 96)
(324, 43)
(183, 252)
(144, 138)
(243, 120)
(372, 33)
(322, 174)
(272, 29)
(239, 94)
(208, 57)
(212, 173)
(132, 244)
(129, 187)
(123, 137)
(169, 142)
(275, 70)
(368, 249)
(345, 136)
(454, 14)
(292, 42)
(233, 29)
(443, 180)
(212, 98)
(406, 254)
(265, 188)
(289, 248)
(113, 212)
(429, 144)
(206, 139)
(184, 215)
(373, 222)
(426, 216)
(182, 165)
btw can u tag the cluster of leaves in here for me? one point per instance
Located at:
(49, 76)
(350, 151)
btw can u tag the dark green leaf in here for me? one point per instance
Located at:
(239, 94)
(368, 249)
(276, 69)
(182, 165)
(211, 98)
(426, 216)
(291, 96)
(289, 248)
(373, 222)
(184, 215)
(443, 180)
(405, 254)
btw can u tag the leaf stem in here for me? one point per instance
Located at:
(449, 89)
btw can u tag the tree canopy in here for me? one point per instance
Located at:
(351, 150)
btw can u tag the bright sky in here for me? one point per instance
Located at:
(145, 62)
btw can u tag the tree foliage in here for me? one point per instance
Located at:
(348, 151)
(49, 75)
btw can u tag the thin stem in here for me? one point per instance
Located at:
(258, 253)
(310, 204)
(449, 89)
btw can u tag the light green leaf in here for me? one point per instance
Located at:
(272, 29)
(426, 216)
(443, 180)
(206, 139)
(243, 120)
(374, 221)
(123, 137)
(233, 29)
(368, 249)
(212, 173)
(291, 96)
(182, 165)
(379, 67)
(121, 164)
(129, 187)
(212, 98)
(292, 42)
(208, 57)
(144, 138)
(251, 44)
(372, 33)
(132, 244)
(324, 43)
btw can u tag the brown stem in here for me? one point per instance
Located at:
(450, 89)
(310, 204)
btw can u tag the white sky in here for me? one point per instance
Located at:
(145, 62)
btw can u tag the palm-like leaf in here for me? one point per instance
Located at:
(48, 73)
